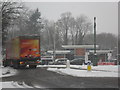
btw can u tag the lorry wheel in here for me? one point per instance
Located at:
(11, 64)
(23, 66)
(5, 64)
(32, 66)
(16, 66)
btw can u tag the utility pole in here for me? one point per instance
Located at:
(95, 54)
(54, 47)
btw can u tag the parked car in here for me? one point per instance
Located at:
(60, 61)
(115, 61)
(77, 61)
(45, 60)
(51, 63)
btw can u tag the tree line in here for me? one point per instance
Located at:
(18, 20)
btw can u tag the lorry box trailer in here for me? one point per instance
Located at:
(22, 51)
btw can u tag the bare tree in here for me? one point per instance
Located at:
(107, 41)
(34, 23)
(9, 12)
(67, 30)
(51, 34)
(83, 26)
(89, 39)
(104, 40)
(47, 35)
(118, 47)
(18, 28)
(65, 25)
(72, 30)
(75, 29)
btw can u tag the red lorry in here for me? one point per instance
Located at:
(22, 51)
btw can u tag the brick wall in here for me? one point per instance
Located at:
(80, 52)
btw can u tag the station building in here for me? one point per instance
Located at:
(80, 51)
(60, 53)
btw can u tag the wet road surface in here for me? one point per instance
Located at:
(46, 80)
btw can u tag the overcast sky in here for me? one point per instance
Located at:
(106, 12)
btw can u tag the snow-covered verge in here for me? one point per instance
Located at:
(97, 71)
(108, 68)
(52, 66)
(12, 84)
(6, 72)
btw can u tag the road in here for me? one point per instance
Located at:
(41, 78)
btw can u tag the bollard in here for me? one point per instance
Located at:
(68, 64)
(89, 66)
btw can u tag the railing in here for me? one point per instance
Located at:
(106, 63)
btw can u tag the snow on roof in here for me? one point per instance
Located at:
(59, 51)
(79, 46)
(97, 71)
(101, 51)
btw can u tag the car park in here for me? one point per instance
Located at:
(60, 61)
(77, 61)
(51, 63)
(45, 60)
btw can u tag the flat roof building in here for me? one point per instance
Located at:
(79, 46)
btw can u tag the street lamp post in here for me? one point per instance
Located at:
(95, 54)
(54, 44)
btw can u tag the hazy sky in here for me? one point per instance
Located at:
(106, 12)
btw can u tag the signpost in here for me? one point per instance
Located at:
(89, 66)
(86, 57)
(95, 54)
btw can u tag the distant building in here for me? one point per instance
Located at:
(79, 50)
(102, 55)
(60, 53)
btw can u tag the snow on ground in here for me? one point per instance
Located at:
(112, 68)
(81, 70)
(83, 73)
(6, 72)
(7, 85)
(54, 66)
(12, 84)
(109, 68)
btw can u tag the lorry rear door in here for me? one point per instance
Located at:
(30, 48)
